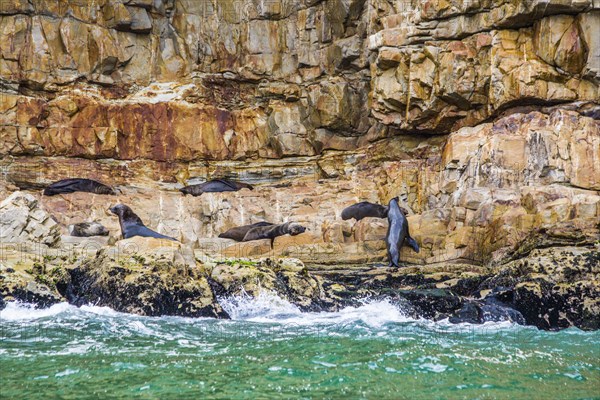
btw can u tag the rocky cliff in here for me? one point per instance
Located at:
(483, 116)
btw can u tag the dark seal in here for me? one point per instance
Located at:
(364, 209)
(239, 232)
(132, 225)
(397, 233)
(86, 229)
(272, 231)
(78, 185)
(216, 185)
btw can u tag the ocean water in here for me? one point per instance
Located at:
(272, 350)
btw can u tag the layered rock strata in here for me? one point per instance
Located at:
(482, 116)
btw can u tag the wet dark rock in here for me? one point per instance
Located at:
(467, 286)
(23, 287)
(287, 278)
(477, 313)
(550, 288)
(2, 303)
(469, 313)
(497, 313)
(40, 295)
(136, 289)
(550, 306)
(433, 304)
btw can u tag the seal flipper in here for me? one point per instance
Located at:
(412, 243)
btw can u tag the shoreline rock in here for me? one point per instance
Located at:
(550, 288)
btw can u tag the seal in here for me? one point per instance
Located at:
(272, 231)
(216, 185)
(397, 234)
(364, 209)
(78, 185)
(85, 229)
(239, 232)
(132, 225)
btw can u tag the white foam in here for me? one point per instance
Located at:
(106, 311)
(66, 372)
(78, 348)
(373, 313)
(268, 307)
(486, 327)
(432, 367)
(15, 311)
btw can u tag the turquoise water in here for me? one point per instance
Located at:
(272, 350)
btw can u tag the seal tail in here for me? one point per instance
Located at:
(412, 243)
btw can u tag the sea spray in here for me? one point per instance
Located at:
(268, 307)
(16, 311)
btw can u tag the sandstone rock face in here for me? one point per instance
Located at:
(480, 189)
(23, 220)
(176, 80)
(482, 117)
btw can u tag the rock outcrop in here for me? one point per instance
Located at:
(551, 288)
(142, 287)
(27, 286)
(22, 220)
(482, 116)
(286, 278)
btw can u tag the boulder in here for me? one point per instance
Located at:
(142, 285)
(23, 220)
(369, 229)
(25, 284)
(287, 278)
